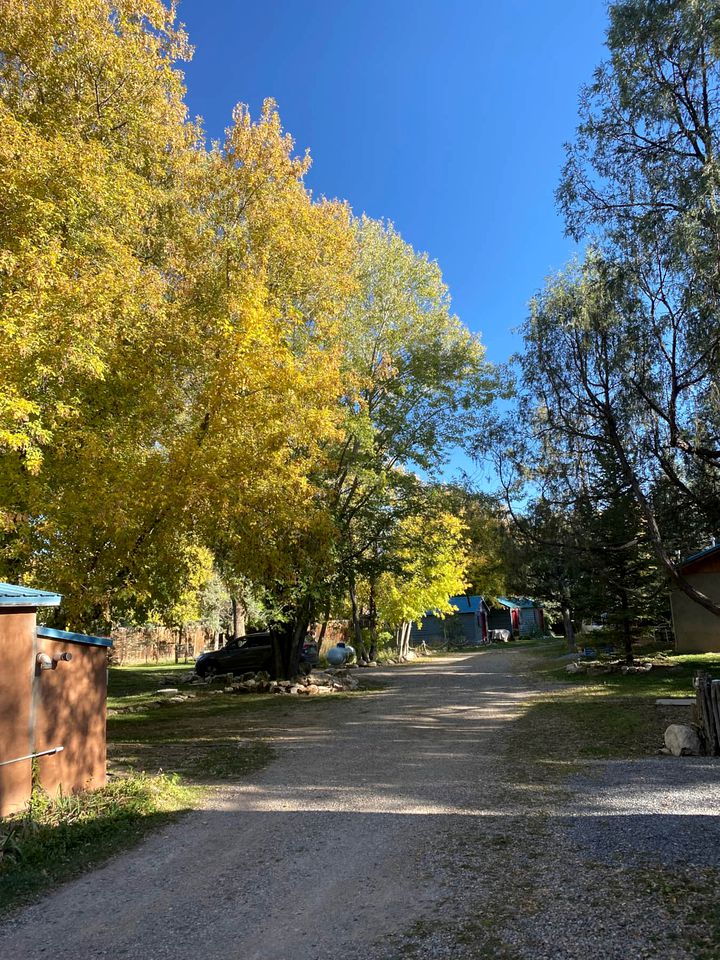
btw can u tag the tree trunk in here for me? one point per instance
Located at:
(239, 618)
(404, 644)
(321, 635)
(287, 639)
(278, 659)
(569, 629)
(627, 630)
(357, 630)
(373, 623)
(323, 628)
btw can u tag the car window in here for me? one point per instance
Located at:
(256, 640)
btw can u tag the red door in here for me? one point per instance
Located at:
(515, 620)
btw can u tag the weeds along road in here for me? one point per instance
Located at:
(325, 853)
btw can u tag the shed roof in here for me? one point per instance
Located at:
(12, 595)
(518, 602)
(464, 604)
(700, 555)
(468, 604)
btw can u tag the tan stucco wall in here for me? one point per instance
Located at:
(17, 638)
(70, 712)
(43, 709)
(696, 629)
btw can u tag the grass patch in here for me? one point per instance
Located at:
(671, 676)
(235, 758)
(132, 685)
(56, 840)
(577, 717)
(199, 759)
(574, 724)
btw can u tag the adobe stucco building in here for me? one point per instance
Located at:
(53, 688)
(696, 629)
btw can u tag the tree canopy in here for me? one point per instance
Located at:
(205, 368)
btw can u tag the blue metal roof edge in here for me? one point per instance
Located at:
(463, 607)
(521, 603)
(52, 634)
(12, 595)
(699, 555)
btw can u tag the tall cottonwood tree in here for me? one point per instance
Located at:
(197, 354)
(168, 358)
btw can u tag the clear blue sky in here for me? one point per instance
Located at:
(445, 116)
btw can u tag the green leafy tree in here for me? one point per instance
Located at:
(633, 329)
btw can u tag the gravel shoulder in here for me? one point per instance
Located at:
(396, 825)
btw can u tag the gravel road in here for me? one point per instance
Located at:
(394, 826)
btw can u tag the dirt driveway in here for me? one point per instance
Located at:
(389, 826)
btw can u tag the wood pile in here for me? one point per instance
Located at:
(707, 692)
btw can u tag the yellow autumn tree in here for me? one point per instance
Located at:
(275, 271)
(430, 567)
(168, 356)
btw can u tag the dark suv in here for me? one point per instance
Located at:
(251, 653)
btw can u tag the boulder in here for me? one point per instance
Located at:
(574, 668)
(682, 740)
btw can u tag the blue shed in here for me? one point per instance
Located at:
(520, 615)
(468, 625)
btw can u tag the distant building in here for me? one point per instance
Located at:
(468, 625)
(521, 616)
(696, 629)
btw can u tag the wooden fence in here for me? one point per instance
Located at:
(159, 644)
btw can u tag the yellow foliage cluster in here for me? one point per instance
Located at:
(433, 564)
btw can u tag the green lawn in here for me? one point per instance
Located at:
(580, 716)
(136, 684)
(671, 676)
(212, 736)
